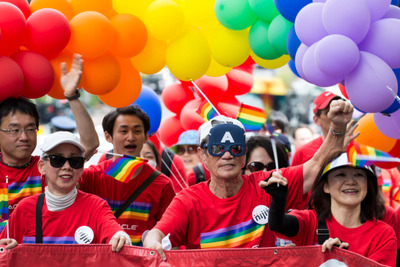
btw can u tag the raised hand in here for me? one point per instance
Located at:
(70, 81)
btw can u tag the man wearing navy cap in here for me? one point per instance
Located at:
(230, 210)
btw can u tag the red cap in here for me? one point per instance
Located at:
(323, 100)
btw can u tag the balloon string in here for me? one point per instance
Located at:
(205, 97)
(396, 97)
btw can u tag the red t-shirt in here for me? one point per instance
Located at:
(198, 219)
(191, 175)
(305, 152)
(145, 211)
(375, 240)
(392, 219)
(59, 227)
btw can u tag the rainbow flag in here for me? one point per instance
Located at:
(363, 155)
(252, 118)
(4, 201)
(206, 111)
(123, 168)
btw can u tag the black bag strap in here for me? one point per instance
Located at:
(322, 232)
(39, 231)
(136, 193)
(167, 155)
(199, 173)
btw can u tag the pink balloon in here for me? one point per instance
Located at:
(175, 96)
(389, 125)
(367, 85)
(313, 73)
(308, 24)
(38, 73)
(383, 40)
(11, 77)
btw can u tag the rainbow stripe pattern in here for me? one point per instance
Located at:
(233, 236)
(4, 201)
(252, 118)
(17, 191)
(363, 155)
(50, 240)
(123, 168)
(206, 111)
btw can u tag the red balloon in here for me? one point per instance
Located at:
(175, 96)
(228, 109)
(23, 5)
(190, 119)
(247, 66)
(155, 139)
(11, 77)
(38, 73)
(212, 87)
(45, 38)
(13, 27)
(169, 130)
(239, 82)
(343, 90)
(395, 151)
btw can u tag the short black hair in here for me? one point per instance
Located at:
(23, 105)
(134, 110)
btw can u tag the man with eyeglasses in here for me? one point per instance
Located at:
(19, 122)
(230, 211)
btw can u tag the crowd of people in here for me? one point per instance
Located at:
(218, 195)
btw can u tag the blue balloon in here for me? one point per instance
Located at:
(290, 8)
(395, 2)
(293, 43)
(395, 105)
(150, 103)
(292, 67)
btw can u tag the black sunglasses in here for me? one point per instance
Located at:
(258, 166)
(58, 161)
(191, 149)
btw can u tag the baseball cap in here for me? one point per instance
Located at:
(323, 100)
(189, 137)
(204, 129)
(63, 123)
(58, 138)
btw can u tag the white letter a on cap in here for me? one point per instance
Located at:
(227, 137)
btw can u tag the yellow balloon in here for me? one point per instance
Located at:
(188, 55)
(164, 19)
(216, 69)
(230, 48)
(152, 58)
(200, 13)
(270, 64)
(137, 8)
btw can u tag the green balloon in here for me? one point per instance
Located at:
(264, 9)
(278, 33)
(259, 43)
(234, 14)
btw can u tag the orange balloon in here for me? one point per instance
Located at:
(152, 59)
(128, 88)
(92, 34)
(65, 56)
(371, 136)
(61, 5)
(104, 7)
(101, 75)
(130, 35)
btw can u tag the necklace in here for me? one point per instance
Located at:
(14, 166)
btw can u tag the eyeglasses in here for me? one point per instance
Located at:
(191, 149)
(258, 166)
(18, 132)
(58, 161)
(219, 150)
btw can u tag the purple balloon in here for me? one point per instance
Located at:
(299, 60)
(368, 84)
(393, 12)
(308, 24)
(388, 125)
(378, 8)
(337, 55)
(313, 73)
(383, 40)
(350, 18)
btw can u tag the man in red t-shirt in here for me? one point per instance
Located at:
(229, 211)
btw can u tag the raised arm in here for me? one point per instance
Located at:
(340, 114)
(69, 83)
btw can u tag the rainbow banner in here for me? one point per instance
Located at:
(363, 155)
(4, 201)
(206, 111)
(123, 168)
(252, 118)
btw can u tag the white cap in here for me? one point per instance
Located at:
(205, 128)
(59, 138)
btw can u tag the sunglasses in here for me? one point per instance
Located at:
(192, 149)
(219, 150)
(58, 161)
(258, 166)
